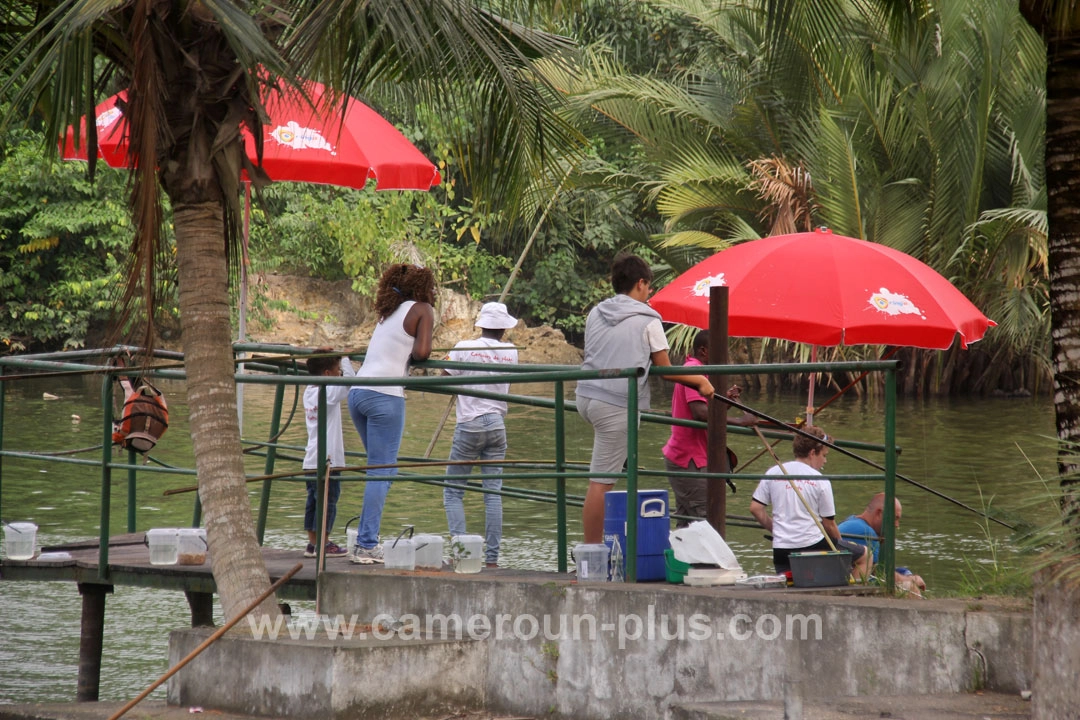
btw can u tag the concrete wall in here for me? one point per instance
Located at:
(533, 645)
(322, 679)
(630, 658)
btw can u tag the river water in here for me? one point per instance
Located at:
(984, 453)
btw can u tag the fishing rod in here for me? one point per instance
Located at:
(357, 468)
(860, 458)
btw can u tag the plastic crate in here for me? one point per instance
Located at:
(675, 570)
(820, 569)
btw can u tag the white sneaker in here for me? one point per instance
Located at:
(367, 556)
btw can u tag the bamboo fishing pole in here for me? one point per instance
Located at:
(798, 492)
(860, 458)
(208, 641)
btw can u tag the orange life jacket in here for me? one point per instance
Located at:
(144, 419)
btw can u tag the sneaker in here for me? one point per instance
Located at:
(367, 556)
(331, 550)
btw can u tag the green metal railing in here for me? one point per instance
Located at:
(280, 371)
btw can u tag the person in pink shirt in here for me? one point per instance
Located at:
(687, 448)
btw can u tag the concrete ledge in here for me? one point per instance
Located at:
(321, 678)
(541, 645)
(634, 651)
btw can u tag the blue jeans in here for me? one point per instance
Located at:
(380, 420)
(332, 494)
(483, 438)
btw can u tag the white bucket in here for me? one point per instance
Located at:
(164, 545)
(399, 554)
(191, 546)
(429, 550)
(467, 553)
(591, 562)
(20, 540)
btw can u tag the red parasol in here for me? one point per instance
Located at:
(825, 289)
(300, 145)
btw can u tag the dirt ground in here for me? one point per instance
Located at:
(314, 313)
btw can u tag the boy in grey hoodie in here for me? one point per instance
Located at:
(622, 331)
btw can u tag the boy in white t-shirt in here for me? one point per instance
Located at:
(792, 526)
(335, 444)
(480, 433)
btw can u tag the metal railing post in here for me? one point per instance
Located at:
(560, 468)
(268, 466)
(631, 479)
(106, 476)
(888, 521)
(131, 499)
(321, 480)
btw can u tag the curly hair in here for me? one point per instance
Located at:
(803, 445)
(403, 282)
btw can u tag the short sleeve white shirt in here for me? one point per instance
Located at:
(482, 350)
(655, 337)
(793, 527)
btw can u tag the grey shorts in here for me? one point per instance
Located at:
(609, 440)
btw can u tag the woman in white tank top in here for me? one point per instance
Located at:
(404, 302)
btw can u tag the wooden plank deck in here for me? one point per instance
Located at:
(129, 564)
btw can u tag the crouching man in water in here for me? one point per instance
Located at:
(865, 529)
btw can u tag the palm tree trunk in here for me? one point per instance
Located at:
(1056, 660)
(238, 566)
(1063, 188)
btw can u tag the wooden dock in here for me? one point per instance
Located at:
(129, 564)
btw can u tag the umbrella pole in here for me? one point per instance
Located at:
(810, 396)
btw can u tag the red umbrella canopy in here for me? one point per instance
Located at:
(825, 289)
(300, 144)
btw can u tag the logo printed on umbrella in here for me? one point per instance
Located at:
(894, 304)
(108, 117)
(701, 287)
(301, 138)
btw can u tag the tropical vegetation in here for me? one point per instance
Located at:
(195, 72)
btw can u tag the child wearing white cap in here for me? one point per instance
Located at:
(480, 433)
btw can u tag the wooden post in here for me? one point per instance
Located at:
(718, 460)
(202, 608)
(90, 640)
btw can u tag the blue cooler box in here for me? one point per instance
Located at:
(654, 524)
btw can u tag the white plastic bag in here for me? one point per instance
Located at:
(701, 544)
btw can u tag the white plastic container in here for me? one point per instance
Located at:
(429, 549)
(467, 553)
(591, 562)
(164, 544)
(191, 546)
(399, 554)
(350, 541)
(20, 540)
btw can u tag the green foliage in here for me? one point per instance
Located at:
(998, 576)
(62, 246)
(560, 292)
(927, 139)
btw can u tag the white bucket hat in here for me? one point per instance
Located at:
(493, 316)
